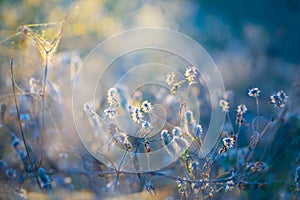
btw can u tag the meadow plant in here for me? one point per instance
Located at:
(30, 165)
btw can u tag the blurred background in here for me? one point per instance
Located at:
(254, 44)
(246, 41)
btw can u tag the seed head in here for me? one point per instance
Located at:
(137, 115)
(254, 92)
(279, 99)
(224, 104)
(242, 109)
(170, 78)
(111, 96)
(146, 106)
(190, 75)
(176, 132)
(229, 142)
(165, 137)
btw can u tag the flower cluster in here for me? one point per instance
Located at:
(119, 136)
(229, 186)
(89, 109)
(146, 106)
(111, 97)
(228, 143)
(170, 78)
(137, 115)
(241, 109)
(190, 75)
(254, 92)
(224, 104)
(165, 137)
(279, 99)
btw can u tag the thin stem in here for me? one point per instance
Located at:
(236, 146)
(230, 122)
(16, 102)
(44, 89)
(184, 170)
(118, 171)
(257, 111)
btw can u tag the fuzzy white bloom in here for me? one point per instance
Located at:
(137, 115)
(190, 74)
(224, 105)
(89, 109)
(279, 100)
(170, 79)
(241, 109)
(111, 93)
(254, 92)
(229, 142)
(146, 106)
(110, 113)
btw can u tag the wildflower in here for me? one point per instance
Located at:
(146, 125)
(199, 130)
(254, 92)
(146, 106)
(176, 86)
(279, 100)
(258, 167)
(190, 75)
(146, 128)
(189, 123)
(129, 108)
(180, 143)
(165, 137)
(170, 79)
(89, 109)
(224, 105)
(241, 109)
(111, 99)
(43, 178)
(176, 132)
(229, 186)
(229, 142)
(189, 118)
(110, 113)
(137, 115)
